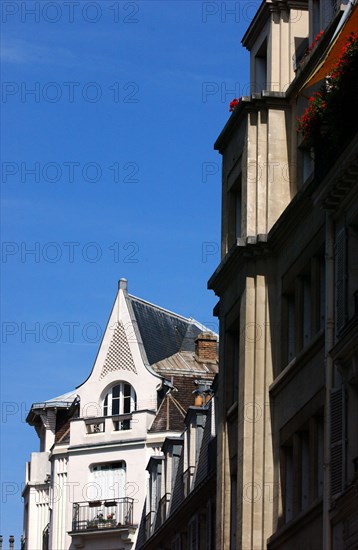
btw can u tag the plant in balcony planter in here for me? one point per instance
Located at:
(332, 112)
(313, 45)
(309, 125)
(111, 520)
(105, 522)
(342, 92)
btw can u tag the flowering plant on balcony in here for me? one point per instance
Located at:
(333, 110)
(346, 66)
(314, 43)
(310, 122)
(233, 103)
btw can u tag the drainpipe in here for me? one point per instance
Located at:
(329, 341)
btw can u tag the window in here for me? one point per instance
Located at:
(341, 279)
(193, 534)
(107, 481)
(210, 525)
(175, 544)
(233, 511)
(121, 399)
(261, 68)
(302, 467)
(288, 482)
(303, 311)
(306, 313)
(231, 363)
(155, 483)
(234, 212)
(316, 17)
(291, 328)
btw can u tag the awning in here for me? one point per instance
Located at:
(333, 53)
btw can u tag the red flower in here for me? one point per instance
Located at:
(233, 104)
(321, 104)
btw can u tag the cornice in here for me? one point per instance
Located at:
(254, 102)
(262, 15)
(244, 247)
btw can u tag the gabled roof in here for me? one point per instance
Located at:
(172, 410)
(163, 332)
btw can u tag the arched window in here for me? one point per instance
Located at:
(121, 399)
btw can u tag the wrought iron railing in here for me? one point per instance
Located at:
(102, 514)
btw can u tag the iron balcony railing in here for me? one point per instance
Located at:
(102, 514)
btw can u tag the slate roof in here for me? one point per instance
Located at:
(65, 401)
(163, 332)
(186, 364)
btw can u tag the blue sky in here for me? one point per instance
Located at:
(108, 171)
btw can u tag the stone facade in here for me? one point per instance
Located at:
(287, 448)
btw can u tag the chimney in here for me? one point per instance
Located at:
(206, 347)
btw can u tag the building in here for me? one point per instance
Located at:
(180, 508)
(287, 475)
(86, 486)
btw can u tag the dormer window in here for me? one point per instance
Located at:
(121, 399)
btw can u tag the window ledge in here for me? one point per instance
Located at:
(296, 363)
(289, 529)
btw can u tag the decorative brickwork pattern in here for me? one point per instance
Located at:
(119, 355)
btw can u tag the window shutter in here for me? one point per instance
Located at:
(338, 422)
(341, 280)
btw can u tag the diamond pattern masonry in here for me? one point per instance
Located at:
(119, 355)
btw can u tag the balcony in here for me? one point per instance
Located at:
(108, 423)
(106, 515)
